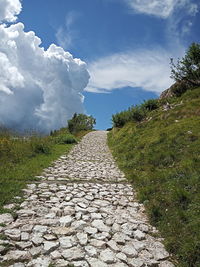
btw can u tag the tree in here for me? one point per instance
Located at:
(81, 122)
(188, 68)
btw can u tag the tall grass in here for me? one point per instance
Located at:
(161, 157)
(22, 158)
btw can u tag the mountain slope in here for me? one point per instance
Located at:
(161, 157)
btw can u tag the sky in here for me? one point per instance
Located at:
(124, 47)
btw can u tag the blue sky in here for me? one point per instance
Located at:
(127, 45)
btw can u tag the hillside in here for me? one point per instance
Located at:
(160, 155)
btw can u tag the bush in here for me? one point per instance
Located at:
(81, 122)
(151, 104)
(65, 139)
(138, 113)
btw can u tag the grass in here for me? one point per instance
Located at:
(21, 159)
(161, 157)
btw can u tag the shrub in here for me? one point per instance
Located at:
(151, 104)
(65, 139)
(81, 122)
(137, 113)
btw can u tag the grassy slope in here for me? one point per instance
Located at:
(161, 157)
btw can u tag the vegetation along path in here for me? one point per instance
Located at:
(81, 213)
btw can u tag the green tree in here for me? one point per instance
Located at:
(187, 69)
(81, 122)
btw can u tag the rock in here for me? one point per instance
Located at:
(27, 228)
(37, 239)
(73, 254)
(139, 235)
(40, 229)
(97, 243)
(122, 256)
(39, 262)
(25, 236)
(136, 263)
(60, 231)
(65, 242)
(49, 237)
(99, 224)
(160, 253)
(90, 230)
(138, 245)
(9, 206)
(61, 263)
(14, 234)
(82, 238)
(113, 245)
(96, 262)
(35, 251)
(79, 225)
(119, 238)
(166, 264)
(91, 251)
(50, 246)
(107, 256)
(55, 255)
(144, 228)
(18, 264)
(25, 213)
(130, 251)
(66, 221)
(95, 216)
(69, 211)
(18, 255)
(80, 264)
(6, 218)
(23, 245)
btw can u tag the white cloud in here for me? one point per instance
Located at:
(65, 34)
(39, 89)
(148, 69)
(9, 9)
(162, 8)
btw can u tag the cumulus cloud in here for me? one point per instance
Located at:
(39, 89)
(162, 8)
(9, 9)
(148, 69)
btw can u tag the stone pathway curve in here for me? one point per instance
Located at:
(81, 213)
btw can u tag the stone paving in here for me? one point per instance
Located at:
(81, 213)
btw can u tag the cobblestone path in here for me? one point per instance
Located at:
(81, 213)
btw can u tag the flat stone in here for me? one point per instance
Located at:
(80, 264)
(136, 263)
(69, 211)
(50, 246)
(119, 238)
(23, 245)
(18, 255)
(63, 231)
(122, 256)
(113, 245)
(99, 224)
(40, 262)
(73, 254)
(166, 264)
(35, 251)
(107, 256)
(49, 237)
(40, 229)
(79, 225)
(27, 228)
(138, 245)
(96, 262)
(97, 243)
(65, 242)
(160, 253)
(25, 236)
(37, 240)
(82, 238)
(139, 235)
(66, 221)
(25, 213)
(130, 251)
(18, 264)
(56, 255)
(90, 230)
(91, 251)
(14, 234)
(61, 263)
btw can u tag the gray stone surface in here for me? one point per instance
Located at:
(82, 212)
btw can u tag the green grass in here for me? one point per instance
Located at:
(161, 157)
(21, 159)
